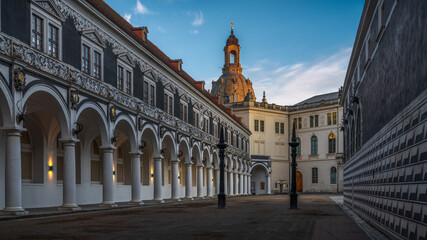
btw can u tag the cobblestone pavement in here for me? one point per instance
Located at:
(251, 217)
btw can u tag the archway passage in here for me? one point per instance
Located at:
(299, 181)
(259, 180)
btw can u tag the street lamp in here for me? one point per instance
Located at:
(293, 195)
(222, 146)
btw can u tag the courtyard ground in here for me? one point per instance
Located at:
(249, 217)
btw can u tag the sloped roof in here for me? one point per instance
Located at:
(318, 98)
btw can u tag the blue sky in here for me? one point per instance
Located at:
(290, 49)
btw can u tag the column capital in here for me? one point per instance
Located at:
(107, 149)
(135, 154)
(158, 158)
(188, 163)
(69, 141)
(175, 160)
(13, 131)
(209, 167)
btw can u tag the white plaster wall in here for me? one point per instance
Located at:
(123, 193)
(280, 171)
(259, 175)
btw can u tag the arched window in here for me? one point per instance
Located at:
(26, 157)
(331, 143)
(333, 175)
(314, 175)
(299, 147)
(314, 145)
(232, 57)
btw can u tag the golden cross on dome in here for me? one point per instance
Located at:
(232, 25)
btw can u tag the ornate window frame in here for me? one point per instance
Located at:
(125, 61)
(91, 39)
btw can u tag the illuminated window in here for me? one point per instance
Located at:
(331, 143)
(329, 118)
(334, 118)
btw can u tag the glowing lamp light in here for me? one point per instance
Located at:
(50, 172)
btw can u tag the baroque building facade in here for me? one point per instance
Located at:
(385, 119)
(93, 112)
(318, 130)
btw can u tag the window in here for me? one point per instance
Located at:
(256, 125)
(311, 121)
(52, 41)
(120, 78)
(314, 145)
(97, 65)
(45, 29)
(314, 175)
(120, 169)
(95, 164)
(282, 128)
(26, 157)
(329, 118)
(206, 124)
(183, 111)
(215, 130)
(262, 126)
(277, 127)
(299, 147)
(85, 59)
(314, 121)
(295, 122)
(37, 32)
(196, 119)
(149, 92)
(128, 82)
(331, 143)
(299, 123)
(334, 118)
(168, 106)
(333, 175)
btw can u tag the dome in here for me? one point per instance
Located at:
(232, 87)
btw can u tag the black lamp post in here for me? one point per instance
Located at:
(293, 195)
(222, 146)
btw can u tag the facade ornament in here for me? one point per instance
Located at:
(113, 114)
(74, 98)
(77, 129)
(140, 123)
(19, 78)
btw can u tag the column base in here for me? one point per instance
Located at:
(69, 207)
(136, 202)
(199, 198)
(159, 200)
(175, 200)
(189, 198)
(14, 211)
(108, 204)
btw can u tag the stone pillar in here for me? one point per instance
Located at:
(200, 181)
(13, 201)
(107, 179)
(217, 172)
(236, 184)
(231, 178)
(136, 179)
(241, 191)
(245, 184)
(158, 179)
(249, 185)
(268, 184)
(69, 177)
(188, 181)
(209, 182)
(175, 181)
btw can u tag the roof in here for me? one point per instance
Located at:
(105, 9)
(318, 98)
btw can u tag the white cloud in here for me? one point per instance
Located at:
(290, 84)
(141, 9)
(195, 31)
(198, 19)
(127, 17)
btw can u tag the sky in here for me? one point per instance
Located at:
(290, 49)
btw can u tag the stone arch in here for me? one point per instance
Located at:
(149, 133)
(215, 160)
(184, 146)
(262, 166)
(125, 124)
(196, 153)
(7, 104)
(47, 93)
(169, 143)
(98, 118)
(206, 155)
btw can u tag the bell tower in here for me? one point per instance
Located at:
(232, 55)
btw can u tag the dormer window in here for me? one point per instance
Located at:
(92, 54)
(46, 30)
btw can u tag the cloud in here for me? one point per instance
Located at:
(198, 19)
(127, 17)
(141, 9)
(290, 84)
(195, 31)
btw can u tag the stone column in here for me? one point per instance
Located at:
(241, 190)
(188, 182)
(200, 181)
(217, 181)
(107, 179)
(69, 177)
(236, 184)
(268, 184)
(249, 185)
(209, 182)
(158, 179)
(175, 181)
(136, 179)
(231, 178)
(13, 201)
(245, 184)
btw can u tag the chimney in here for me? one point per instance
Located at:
(216, 99)
(141, 32)
(177, 63)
